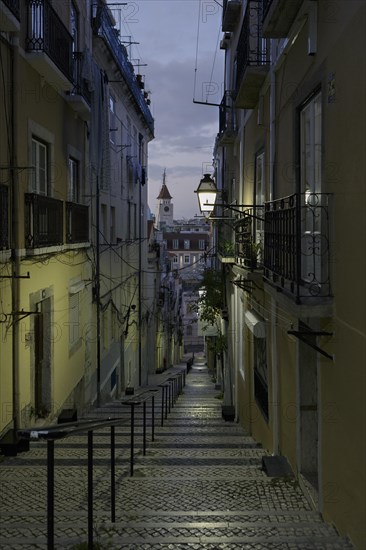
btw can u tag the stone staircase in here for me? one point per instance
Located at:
(200, 486)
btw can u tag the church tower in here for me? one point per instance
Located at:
(164, 216)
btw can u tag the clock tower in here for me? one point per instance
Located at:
(164, 216)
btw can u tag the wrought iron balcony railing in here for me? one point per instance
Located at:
(296, 245)
(47, 33)
(14, 7)
(227, 120)
(4, 217)
(80, 85)
(252, 59)
(77, 223)
(103, 26)
(43, 221)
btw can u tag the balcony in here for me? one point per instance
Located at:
(43, 221)
(77, 223)
(252, 58)
(49, 44)
(296, 246)
(278, 16)
(79, 98)
(4, 217)
(249, 240)
(230, 14)
(103, 26)
(227, 120)
(10, 15)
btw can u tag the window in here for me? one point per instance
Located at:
(40, 167)
(186, 244)
(312, 250)
(175, 244)
(259, 199)
(132, 220)
(74, 27)
(74, 192)
(311, 145)
(103, 225)
(141, 149)
(113, 225)
(113, 127)
(175, 259)
(201, 244)
(186, 259)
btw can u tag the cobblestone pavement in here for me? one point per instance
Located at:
(200, 486)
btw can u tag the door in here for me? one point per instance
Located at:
(308, 434)
(42, 359)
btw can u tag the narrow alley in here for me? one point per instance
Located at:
(199, 486)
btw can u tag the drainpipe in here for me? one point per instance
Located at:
(140, 287)
(15, 281)
(272, 153)
(97, 285)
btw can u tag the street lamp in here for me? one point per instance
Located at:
(206, 193)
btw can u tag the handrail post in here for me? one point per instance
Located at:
(113, 476)
(132, 436)
(144, 429)
(166, 400)
(90, 490)
(162, 404)
(153, 418)
(50, 493)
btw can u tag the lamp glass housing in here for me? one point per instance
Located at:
(207, 193)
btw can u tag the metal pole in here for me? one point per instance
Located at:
(144, 438)
(153, 418)
(132, 437)
(166, 388)
(162, 405)
(97, 285)
(113, 476)
(90, 490)
(50, 493)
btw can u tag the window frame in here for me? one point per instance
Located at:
(36, 146)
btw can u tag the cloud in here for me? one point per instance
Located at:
(185, 132)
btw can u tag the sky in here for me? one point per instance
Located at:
(178, 49)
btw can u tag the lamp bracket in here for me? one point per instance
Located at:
(301, 335)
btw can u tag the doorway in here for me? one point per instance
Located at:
(308, 413)
(42, 359)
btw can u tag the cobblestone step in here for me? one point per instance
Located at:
(200, 486)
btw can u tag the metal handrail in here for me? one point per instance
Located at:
(53, 433)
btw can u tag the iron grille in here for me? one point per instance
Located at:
(77, 223)
(296, 244)
(227, 113)
(14, 7)
(252, 48)
(43, 221)
(48, 34)
(80, 84)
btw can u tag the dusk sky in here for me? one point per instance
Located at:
(168, 32)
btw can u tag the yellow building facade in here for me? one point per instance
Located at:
(74, 131)
(290, 150)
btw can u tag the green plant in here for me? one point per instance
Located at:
(226, 248)
(209, 308)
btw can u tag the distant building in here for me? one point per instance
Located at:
(164, 217)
